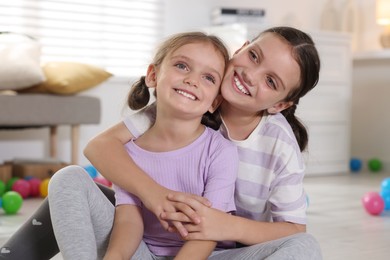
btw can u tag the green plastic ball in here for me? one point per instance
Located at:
(11, 182)
(12, 202)
(375, 165)
(2, 188)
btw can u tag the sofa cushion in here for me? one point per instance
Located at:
(67, 78)
(19, 62)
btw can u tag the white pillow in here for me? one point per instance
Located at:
(19, 62)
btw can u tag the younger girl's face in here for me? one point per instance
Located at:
(189, 79)
(260, 75)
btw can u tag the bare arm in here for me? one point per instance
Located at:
(246, 231)
(126, 234)
(196, 250)
(107, 153)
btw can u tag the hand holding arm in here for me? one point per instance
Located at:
(214, 222)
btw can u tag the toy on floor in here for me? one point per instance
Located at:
(2, 188)
(91, 171)
(12, 201)
(22, 187)
(34, 185)
(375, 165)
(44, 187)
(102, 180)
(373, 203)
(10, 182)
(385, 192)
(355, 164)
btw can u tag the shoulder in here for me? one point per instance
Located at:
(140, 121)
(216, 138)
(277, 127)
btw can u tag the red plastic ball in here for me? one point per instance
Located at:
(103, 181)
(34, 184)
(373, 203)
(22, 187)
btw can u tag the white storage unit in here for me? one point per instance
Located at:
(326, 110)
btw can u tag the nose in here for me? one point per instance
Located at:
(191, 80)
(247, 76)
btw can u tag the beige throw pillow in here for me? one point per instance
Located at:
(69, 78)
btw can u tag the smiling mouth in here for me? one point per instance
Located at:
(186, 94)
(240, 87)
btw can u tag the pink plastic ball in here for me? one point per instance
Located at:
(22, 187)
(103, 181)
(34, 184)
(373, 203)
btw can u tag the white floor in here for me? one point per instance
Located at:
(336, 217)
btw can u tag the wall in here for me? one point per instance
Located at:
(181, 15)
(370, 119)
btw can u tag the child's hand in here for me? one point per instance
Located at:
(159, 203)
(212, 222)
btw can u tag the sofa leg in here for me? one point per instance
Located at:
(75, 144)
(53, 141)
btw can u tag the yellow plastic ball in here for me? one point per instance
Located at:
(44, 188)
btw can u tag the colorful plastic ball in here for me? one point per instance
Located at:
(373, 203)
(22, 187)
(91, 171)
(102, 180)
(10, 182)
(355, 164)
(44, 188)
(27, 178)
(12, 202)
(375, 165)
(385, 185)
(2, 188)
(385, 194)
(34, 185)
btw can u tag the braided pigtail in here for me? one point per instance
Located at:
(139, 95)
(298, 128)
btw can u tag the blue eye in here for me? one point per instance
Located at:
(271, 83)
(253, 56)
(210, 78)
(181, 66)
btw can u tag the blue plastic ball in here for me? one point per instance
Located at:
(91, 171)
(355, 164)
(386, 198)
(385, 185)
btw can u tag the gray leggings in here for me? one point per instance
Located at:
(82, 219)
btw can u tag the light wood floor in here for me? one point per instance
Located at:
(335, 214)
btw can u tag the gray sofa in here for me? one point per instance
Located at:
(46, 110)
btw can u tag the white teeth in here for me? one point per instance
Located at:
(187, 95)
(240, 86)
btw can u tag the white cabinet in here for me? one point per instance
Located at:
(326, 110)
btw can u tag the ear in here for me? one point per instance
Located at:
(243, 46)
(151, 76)
(217, 101)
(280, 106)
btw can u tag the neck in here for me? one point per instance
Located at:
(239, 123)
(169, 134)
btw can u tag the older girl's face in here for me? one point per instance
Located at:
(260, 75)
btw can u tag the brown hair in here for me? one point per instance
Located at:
(306, 55)
(139, 95)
